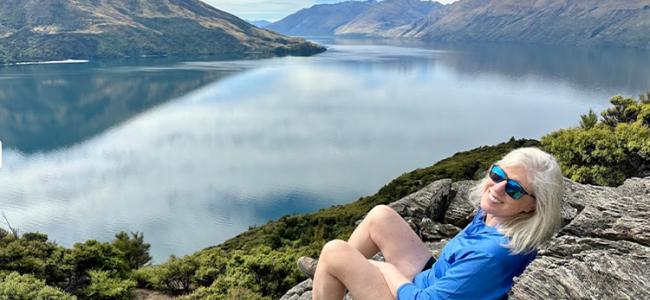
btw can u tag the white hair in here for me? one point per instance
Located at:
(528, 231)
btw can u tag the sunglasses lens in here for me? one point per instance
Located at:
(514, 190)
(497, 174)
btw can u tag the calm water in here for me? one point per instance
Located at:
(192, 152)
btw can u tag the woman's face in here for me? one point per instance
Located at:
(496, 202)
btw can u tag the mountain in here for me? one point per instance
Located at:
(32, 30)
(260, 23)
(321, 19)
(387, 18)
(566, 22)
(617, 23)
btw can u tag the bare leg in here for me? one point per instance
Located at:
(342, 266)
(385, 230)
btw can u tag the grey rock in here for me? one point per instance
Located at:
(602, 251)
(622, 213)
(460, 210)
(430, 202)
(433, 231)
(587, 268)
(300, 291)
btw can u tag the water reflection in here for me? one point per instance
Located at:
(45, 107)
(611, 70)
(288, 135)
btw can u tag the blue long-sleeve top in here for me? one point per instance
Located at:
(475, 264)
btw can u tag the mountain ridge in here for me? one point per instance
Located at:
(33, 30)
(623, 23)
(310, 21)
(387, 17)
(565, 22)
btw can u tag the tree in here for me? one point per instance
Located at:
(135, 250)
(588, 120)
(625, 110)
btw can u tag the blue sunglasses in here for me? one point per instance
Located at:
(514, 189)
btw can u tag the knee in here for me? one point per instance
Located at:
(334, 248)
(381, 213)
(333, 252)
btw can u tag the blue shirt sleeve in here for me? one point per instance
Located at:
(467, 278)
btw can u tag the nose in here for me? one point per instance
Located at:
(499, 188)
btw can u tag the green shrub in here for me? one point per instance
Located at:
(70, 269)
(104, 285)
(625, 110)
(588, 120)
(26, 254)
(27, 287)
(134, 249)
(177, 274)
(608, 152)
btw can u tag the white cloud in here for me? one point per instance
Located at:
(269, 10)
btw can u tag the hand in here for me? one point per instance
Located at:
(394, 278)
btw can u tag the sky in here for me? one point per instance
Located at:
(270, 10)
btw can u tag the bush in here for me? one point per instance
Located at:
(177, 275)
(70, 269)
(27, 254)
(27, 287)
(589, 120)
(625, 110)
(134, 249)
(608, 152)
(103, 285)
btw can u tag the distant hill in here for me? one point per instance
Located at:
(32, 30)
(568, 22)
(260, 23)
(321, 19)
(386, 18)
(618, 23)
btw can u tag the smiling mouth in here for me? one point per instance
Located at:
(494, 199)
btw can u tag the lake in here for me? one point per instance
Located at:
(192, 152)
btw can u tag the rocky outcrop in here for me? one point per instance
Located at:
(602, 251)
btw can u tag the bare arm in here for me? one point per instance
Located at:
(394, 278)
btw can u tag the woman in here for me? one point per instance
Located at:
(519, 209)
